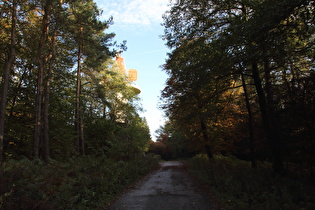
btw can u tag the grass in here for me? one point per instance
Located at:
(238, 186)
(80, 183)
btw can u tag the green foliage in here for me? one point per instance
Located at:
(239, 186)
(117, 140)
(71, 26)
(80, 183)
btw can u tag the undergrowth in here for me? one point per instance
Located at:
(238, 186)
(80, 183)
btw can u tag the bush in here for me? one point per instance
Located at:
(239, 186)
(80, 183)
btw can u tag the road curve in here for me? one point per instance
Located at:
(168, 188)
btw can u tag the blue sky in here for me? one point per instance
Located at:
(139, 22)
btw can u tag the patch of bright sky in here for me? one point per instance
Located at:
(139, 22)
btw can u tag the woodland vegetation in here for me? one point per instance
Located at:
(241, 83)
(238, 186)
(70, 132)
(62, 94)
(241, 86)
(242, 80)
(241, 90)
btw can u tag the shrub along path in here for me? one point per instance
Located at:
(170, 187)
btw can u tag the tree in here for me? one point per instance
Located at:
(92, 46)
(254, 35)
(113, 124)
(198, 80)
(171, 143)
(48, 36)
(42, 57)
(6, 73)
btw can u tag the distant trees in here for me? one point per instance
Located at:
(235, 64)
(58, 79)
(171, 143)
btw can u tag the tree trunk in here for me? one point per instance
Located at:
(6, 76)
(273, 141)
(205, 135)
(47, 99)
(77, 104)
(82, 146)
(46, 120)
(40, 75)
(79, 140)
(269, 92)
(203, 127)
(250, 124)
(204, 132)
(261, 95)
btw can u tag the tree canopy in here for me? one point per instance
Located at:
(241, 77)
(62, 94)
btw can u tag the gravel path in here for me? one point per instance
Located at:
(168, 188)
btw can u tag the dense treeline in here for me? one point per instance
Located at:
(70, 133)
(242, 79)
(62, 94)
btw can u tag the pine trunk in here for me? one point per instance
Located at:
(79, 140)
(6, 75)
(47, 99)
(40, 77)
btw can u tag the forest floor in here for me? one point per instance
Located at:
(171, 186)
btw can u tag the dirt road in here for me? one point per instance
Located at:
(168, 188)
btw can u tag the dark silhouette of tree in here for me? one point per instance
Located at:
(7, 68)
(258, 37)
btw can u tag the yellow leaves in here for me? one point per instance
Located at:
(5, 26)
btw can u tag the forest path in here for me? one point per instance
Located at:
(168, 188)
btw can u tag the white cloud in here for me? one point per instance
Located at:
(134, 12)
